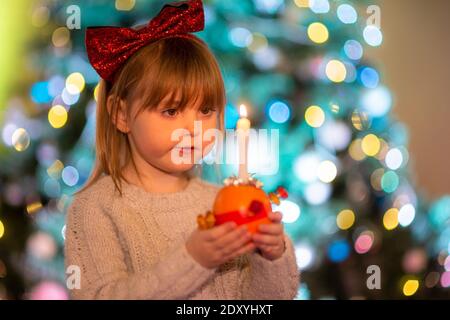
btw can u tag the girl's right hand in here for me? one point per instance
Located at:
(215, 246)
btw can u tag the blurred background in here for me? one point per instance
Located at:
(357, 89)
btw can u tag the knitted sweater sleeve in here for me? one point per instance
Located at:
(262, 279)
(94, 248)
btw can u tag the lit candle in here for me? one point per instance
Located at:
(243, 127)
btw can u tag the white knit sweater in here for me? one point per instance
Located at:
(133, 247)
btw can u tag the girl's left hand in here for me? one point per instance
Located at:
(270, 237)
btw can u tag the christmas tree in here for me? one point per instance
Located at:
(359, 227)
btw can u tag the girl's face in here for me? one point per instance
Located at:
(156, 138)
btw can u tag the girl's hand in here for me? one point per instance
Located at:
(270, 237)
(217, 245)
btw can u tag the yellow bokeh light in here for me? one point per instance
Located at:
(302, 3)
(2, 229)
(40, 16)
(345, 219)
(75, 83)
(370, 145)
(356, 151)
(390, 219)
(336, 71)
(259, 42)
(125, 5)
(318, 32)
(360, 120)
(315, 116)
(20, 139)
(34, 207)
(60, 37)
(96, 91)
(410, 287)
(54, 171)
(57, 116)
(335, 108)
(326, 171)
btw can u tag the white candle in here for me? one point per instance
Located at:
(243, 126)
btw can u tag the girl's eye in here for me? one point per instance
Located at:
(170, 112)
(207, 111)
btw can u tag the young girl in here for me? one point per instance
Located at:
(131, 231)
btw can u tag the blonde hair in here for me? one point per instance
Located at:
(163, 68)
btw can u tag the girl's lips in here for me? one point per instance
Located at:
(186, 150)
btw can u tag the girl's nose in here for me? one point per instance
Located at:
(193, 125)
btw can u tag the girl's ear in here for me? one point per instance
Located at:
(119, 117)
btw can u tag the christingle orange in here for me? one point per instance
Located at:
(244, 203)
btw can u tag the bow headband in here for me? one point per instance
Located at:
(108, 48)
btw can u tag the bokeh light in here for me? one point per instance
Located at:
(370, 145)
(314, 116)
(338, 250)
(70, 176)
(75, 83)
(61, 37)
(34, 207)
(356, 151)
(259, 42)
(306, 166)
(334, 135)
(373, 36)
(406, 215)
(445, 279)
(347, 14)
(376, 102)
(360, 120)
(326, 171)
(70, 98)
(363, 243)
(317, 192)
(319, 6)
(318, 32)
(369, 77)
(290, 211)
(125, 5)
(279, 112)
(394, 159)
(390, 219)
(353, 49)
(410, 287)
(345, 219)
(2, 229)
(57, 116)
(241, 37)
(414, 260)
(20, 139)
(335, 71)
(389, 181)
(375, 179)
(40, 92)
(305, 256)
(40, 16)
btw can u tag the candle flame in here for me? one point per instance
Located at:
(243, 111)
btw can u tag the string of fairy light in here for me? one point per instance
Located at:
(315, 172)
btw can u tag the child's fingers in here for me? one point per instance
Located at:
(231, 246)
(272, 228)
(219, 231)
(266, 239)
(225, 240)
(265, 247)
(275, 217)
(247, 248)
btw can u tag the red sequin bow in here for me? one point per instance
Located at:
(108, 48)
